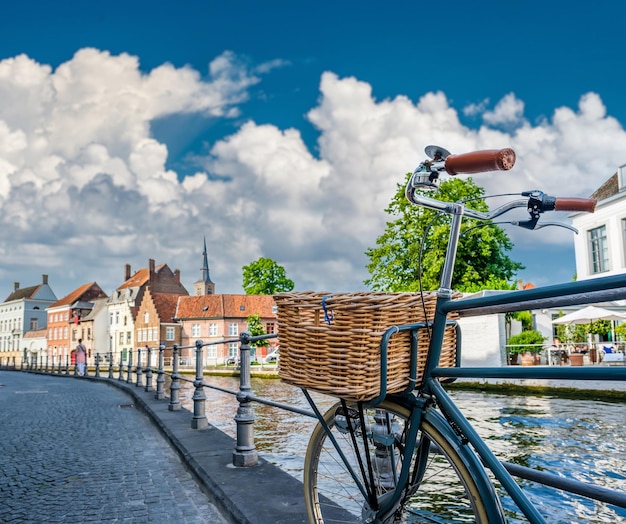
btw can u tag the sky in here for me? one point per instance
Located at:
(134, 130)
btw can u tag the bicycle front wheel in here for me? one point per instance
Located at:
(353, 479)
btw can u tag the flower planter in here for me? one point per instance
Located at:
(576, 359)
(528, 359)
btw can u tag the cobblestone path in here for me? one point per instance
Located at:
(78, 451)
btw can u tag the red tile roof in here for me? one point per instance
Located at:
(140, 277)
(225, 306)
(165, 304)
(86, 292)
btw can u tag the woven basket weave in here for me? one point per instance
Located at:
(342, 358)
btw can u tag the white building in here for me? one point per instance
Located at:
(23, 310)
(601, 243)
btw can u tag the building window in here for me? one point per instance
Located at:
(195, 330)
(128, 337)
(211, 351)
(270, 328)
(146, 317)
(33, 324)
(121, 337)
(169, 333)
(212, 330)
(598, 250)
(233, 347)
(233, 329)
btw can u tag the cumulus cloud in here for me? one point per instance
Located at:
(84, 186)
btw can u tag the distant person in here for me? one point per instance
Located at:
(81, 357)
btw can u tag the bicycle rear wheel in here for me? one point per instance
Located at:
(444, 484)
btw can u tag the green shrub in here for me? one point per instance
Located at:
(524, 341)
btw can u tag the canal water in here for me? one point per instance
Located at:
(580, 439)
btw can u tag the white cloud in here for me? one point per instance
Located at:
(84, 186)
(508, 111)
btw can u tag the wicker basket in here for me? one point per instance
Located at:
(342, 358)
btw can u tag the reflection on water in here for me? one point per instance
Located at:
(577, 439)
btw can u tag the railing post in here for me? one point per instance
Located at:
(110, 364)
(129, 371)
(138, 370)
(121, 370)
(97, 357)
(86, 373)
(59, 365)
(174, 404)
(149, 387)
(160, 381)
(245, 454)
(67, 364)
(46, 363)
(199, 420)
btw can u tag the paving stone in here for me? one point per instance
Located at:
(69, 453)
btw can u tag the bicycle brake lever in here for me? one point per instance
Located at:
(532, 225)
(557, 224)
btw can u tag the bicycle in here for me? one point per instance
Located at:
(406, 453)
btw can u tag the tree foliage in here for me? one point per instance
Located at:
(265, 277)
(481, 260)
(256, 329)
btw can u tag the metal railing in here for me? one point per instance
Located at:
(245, 452)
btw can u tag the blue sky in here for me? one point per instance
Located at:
(280, 129)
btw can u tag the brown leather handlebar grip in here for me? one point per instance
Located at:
(588, 205)
(479, 161)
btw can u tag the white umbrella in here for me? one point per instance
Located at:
(588, 315)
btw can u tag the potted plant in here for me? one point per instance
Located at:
(527, 343)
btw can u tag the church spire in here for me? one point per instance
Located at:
(204, 286)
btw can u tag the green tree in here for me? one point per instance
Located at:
(481, 260)
(265, 277)
(256, 329)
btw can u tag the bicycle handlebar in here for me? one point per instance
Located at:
(479, 161)
(587, 205)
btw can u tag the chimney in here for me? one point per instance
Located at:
(44, 279)
(127, 272)
(16, 286)
(177, 275)
(151, 265)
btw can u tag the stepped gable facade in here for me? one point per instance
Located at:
(125, 302)
(155, 322)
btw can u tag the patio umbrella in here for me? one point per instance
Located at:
(588, 315)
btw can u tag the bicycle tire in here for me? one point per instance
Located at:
(448, 482)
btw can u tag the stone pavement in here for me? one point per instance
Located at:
(69, 452)
(72, 450)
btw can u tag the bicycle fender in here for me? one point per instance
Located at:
(472, 463)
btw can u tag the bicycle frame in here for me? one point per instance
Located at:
(606, 288)
(448, 419)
